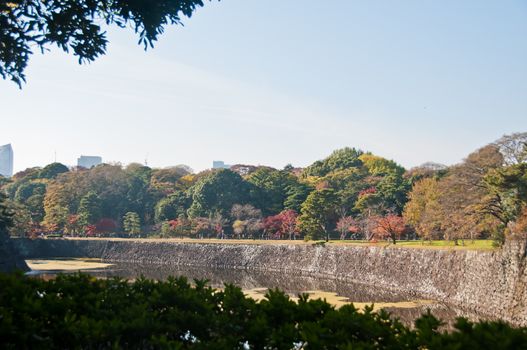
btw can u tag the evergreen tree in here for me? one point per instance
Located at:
(89, 209)
(132, 223)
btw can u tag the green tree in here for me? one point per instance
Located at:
(344, 158)
(52, 170)
(6, 214)
(172, 207)
(89, 209)
(218, 192)
(297, 193)
(318, 213)
(132, 223)
(78, 26)
(271, 185)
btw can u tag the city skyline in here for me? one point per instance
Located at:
(214, 162)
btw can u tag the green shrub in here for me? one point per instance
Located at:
(81, 312)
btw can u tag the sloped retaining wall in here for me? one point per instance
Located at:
(9, 259)
(491, 283)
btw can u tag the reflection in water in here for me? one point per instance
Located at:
(255, 284)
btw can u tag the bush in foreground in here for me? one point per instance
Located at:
(79, 311)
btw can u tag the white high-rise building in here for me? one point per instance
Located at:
(6, 160)
(88, 161)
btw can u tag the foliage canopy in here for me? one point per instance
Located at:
(78, 311)
(78, 26)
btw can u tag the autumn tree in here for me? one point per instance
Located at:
(247, 220)
(464, 194)
(200, 227)
(73, 225)
(422, 210)
(391, 226)
(282, 225)
(346, 225)
(217, 223)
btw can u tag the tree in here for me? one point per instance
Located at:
(132, 223)
(281, 225)
(217, 192)
(217, 222)
(297, 193)
(52, 170)
(248, 220)
(338, 160)
(289, 227)
(272, 187)
(6, 214)
(317, 213)
(390, 226)
(172, 207)
(73, 225)
(169, 228)
(200, 227)
(345, 225)
(463, 195)
(76, 25)
(56, 218)
(89, 209)
(422, 210)
(513, 148)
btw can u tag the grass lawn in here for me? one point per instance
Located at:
(480, 244)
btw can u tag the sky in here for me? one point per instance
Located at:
(275, 82)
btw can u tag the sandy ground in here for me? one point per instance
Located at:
(258, 294)
(66, 265)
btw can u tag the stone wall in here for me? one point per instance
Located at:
(492, 283)
(9, 259)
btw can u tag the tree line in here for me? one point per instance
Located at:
(351, 194)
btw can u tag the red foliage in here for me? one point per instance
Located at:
(272, 226)
(347, 224)
(371, 190)
(390, 226)
(91, 230)
(173, 224)
(281, 225)
(106, 225)
(73, 219)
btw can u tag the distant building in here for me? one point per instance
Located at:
(243, 169)
(219, 164)
(433, 166)
(6, 160)
(88, 161)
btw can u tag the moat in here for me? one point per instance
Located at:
(256, 283)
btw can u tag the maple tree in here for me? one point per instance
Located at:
(391, 226)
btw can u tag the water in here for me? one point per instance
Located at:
(255, 283)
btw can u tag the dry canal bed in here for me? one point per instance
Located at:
(256, 283)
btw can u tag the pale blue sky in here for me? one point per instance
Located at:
(275, 82)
